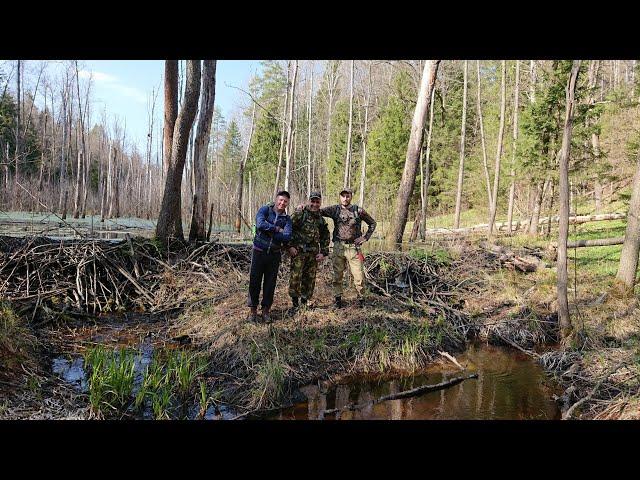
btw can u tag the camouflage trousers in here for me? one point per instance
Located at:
(343, 254)
(303, 275)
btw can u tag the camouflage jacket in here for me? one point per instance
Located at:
(310, 232)
(347, 222)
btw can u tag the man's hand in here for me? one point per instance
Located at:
(293, 251)
(319, 257)
(278, 229)
(300, 207)
(359, 241)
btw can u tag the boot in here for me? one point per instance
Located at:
(296, 305)
(253, 316)
(266, 318)
(338, 302)
(361, 302)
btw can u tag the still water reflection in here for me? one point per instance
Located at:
(510, 386)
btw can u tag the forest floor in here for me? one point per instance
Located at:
(182, 315)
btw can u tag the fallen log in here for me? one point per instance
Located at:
(598, 242)
(575, 219)
(405, 394)
(524, 263)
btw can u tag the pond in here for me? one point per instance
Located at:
(510, 386)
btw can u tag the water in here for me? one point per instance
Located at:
(511, 386)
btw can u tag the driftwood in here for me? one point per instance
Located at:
(524, 263)
(405, 394)
(452, 359)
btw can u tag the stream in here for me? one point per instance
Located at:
(510, 386)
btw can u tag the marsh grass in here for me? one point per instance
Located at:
(165, 383)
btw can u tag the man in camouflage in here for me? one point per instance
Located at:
(347, 240)
(309, 245)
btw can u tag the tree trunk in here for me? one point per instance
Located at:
(282, 133)
(292, 98)
(170, 217)
(456, 222)
(347, 162)
(426, 174)
(629, 257)
(363, 173)
(243, 164)
(512, 188)
(496, 172)
(201, 147)
(413, 151)
(309, 177)
(485, 164)
(170, 110)
(563, 301)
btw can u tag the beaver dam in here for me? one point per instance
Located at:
(138, 329)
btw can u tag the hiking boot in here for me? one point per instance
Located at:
(303, 303)
(253, 317)
(266, 318)
(338, 302)
(361, 302)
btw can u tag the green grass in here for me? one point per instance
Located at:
(168, 379)
(17, 343)
(111, 377)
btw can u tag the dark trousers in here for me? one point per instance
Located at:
(263, 266)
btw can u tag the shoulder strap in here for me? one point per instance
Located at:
(354, 210)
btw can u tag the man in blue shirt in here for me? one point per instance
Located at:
(273, 232)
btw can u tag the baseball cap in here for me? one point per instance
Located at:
(347, 190)
(315, 194)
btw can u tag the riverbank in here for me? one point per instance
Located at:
(187, 307)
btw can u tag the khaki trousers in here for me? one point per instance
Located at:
(343, 254)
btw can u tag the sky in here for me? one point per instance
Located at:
(124, 88)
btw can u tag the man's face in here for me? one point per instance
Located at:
(282, 203)
(314, 204)
(345, 199)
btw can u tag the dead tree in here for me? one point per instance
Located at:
(413, 151)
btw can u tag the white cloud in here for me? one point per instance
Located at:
(98, 76)
(112, 82)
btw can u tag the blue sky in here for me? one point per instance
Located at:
(124, 87)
